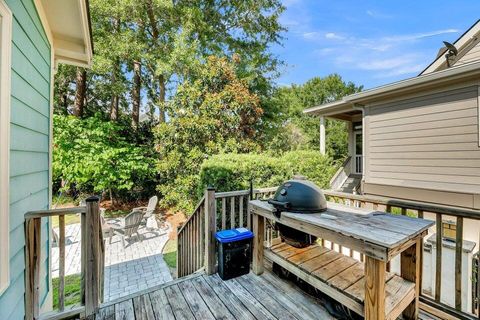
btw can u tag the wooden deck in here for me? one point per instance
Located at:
(208, 297)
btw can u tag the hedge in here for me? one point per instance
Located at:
(228, 172)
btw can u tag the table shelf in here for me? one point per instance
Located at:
(340, 277)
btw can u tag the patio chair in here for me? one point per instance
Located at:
(149, 210)
(129, 226)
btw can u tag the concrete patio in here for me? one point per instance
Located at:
(136, 267)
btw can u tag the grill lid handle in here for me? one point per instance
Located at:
(279, 205)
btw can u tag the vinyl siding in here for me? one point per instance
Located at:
(429, 142)
(470, 56)
(29, 147)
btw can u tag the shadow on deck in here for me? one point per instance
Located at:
(199, 296)
(208, 297)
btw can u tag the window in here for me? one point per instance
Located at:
(5, 67)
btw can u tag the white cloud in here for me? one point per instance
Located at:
(378, 15)
(418, 36)
(332, 35)
(409, 69)
(386, 64)
(311, 35)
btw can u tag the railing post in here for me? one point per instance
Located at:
(210, 228)
(33, 243)
(92, 254)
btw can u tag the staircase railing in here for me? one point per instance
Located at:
(445, 304)
(342, 174)
(191, 242)
(92, 253)
(215, 211)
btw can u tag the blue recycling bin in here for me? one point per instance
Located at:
(234, 252)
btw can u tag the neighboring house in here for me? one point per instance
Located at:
(34, 36)
(416, 139)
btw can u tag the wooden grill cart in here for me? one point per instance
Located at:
(366, 288)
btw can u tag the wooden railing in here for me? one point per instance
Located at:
(191, 242)
(342, 174)
(92, 251)
(215, 211)
(433, 302)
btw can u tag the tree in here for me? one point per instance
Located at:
(291, 129)
(211, 114)
(81, 89)
(137, 87)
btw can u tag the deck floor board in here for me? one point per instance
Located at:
(248, 297)
(209, 297)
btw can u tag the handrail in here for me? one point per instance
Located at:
(54, 212)
(340, 169)
(246, 192)
(415, 205)
(199, 204)
(92, 251)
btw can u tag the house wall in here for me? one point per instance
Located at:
(425, 147)
(471, 56)
(29, 147)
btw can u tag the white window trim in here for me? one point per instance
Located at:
(5, 85)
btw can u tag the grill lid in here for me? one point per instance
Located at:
(301, 196)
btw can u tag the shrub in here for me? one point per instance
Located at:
(97, 155)
(229, 172)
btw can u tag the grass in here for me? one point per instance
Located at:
(72, 290)
(170, 253)
(69, 219)
(62, 199)
(75, 218)
(116, 213)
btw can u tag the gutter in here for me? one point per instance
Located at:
(471, 69)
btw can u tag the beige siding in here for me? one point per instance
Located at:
(429, 142)
(470, 56)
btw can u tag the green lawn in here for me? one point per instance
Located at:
(170, 253)
(69, 219)
(72, 290)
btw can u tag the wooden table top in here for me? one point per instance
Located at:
(375, 227)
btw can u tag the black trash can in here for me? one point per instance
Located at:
(234, 252)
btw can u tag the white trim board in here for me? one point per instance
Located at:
(5, 87)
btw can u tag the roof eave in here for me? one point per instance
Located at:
(396, 88)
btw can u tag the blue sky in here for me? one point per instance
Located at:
(368, 42)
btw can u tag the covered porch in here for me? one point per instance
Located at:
(349, 176)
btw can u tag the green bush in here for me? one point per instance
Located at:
(94, 155)
(229, 172)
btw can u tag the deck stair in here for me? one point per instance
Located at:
(351, 184)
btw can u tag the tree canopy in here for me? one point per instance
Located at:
(212, 113)
(174, 83)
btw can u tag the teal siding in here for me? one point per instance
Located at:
(29, 147)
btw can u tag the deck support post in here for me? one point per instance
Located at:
(210, 228)
(322, 136)
(92, 254)
(375, 271)
(33, 242)
(410, 270)
(258, 239)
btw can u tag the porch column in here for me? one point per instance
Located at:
(322, 135)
